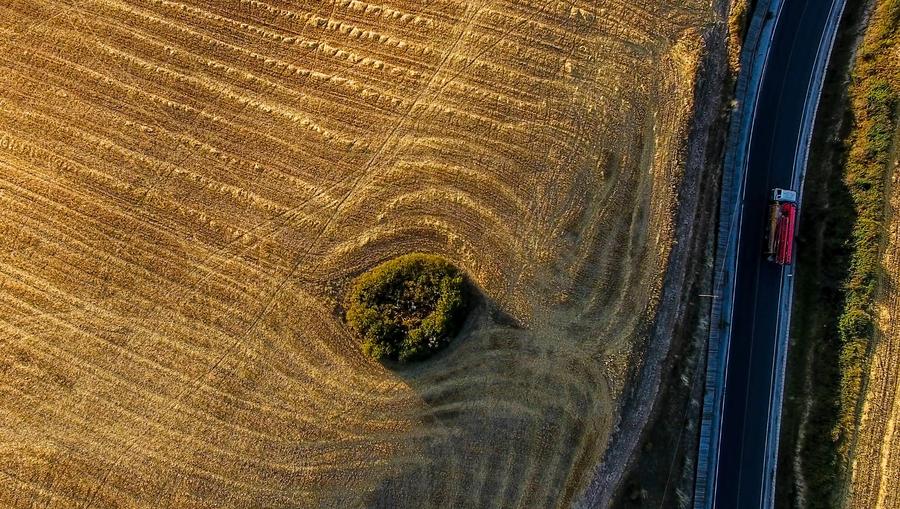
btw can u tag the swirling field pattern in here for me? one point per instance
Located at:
(186, 188)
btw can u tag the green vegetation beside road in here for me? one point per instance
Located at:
(875, 95)
(408, 308)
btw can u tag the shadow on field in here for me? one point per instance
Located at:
(492, 402)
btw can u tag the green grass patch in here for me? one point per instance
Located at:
(408, 308)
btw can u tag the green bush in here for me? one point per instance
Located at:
(407, 308)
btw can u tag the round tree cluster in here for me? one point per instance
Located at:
(407, 308)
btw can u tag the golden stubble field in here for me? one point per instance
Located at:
(876, 455)
(187, 187)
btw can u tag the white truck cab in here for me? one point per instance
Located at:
(784, 195)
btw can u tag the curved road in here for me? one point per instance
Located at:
(742, 478)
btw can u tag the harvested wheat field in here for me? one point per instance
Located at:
(876, 455)
(188, 187)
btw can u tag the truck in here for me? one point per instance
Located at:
(782, 218)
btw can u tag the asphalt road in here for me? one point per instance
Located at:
(751, 362)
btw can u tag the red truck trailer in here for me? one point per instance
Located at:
(782, 217)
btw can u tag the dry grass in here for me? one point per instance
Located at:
(186, 188)
(739, 16)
